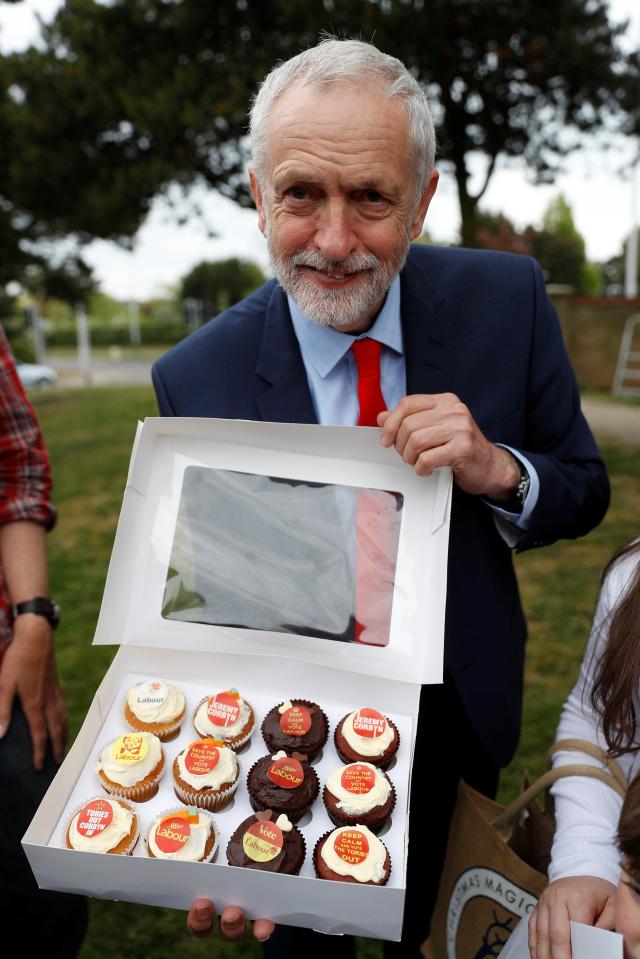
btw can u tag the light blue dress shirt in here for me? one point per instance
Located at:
(333, 383)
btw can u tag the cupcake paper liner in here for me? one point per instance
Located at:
(165, 733)
(205, 798)
(138, 792)
(236, 742)
(132, 842)
(167, 812)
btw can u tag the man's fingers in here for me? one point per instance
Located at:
(262, 929)
(58, 728)
(232, 923)
(406, 407)
(201, 917)
(542, 933)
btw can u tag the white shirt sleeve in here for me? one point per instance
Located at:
(587, 811)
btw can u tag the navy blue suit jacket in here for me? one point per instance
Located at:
(476, 324)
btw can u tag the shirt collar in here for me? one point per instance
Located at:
(323, 346)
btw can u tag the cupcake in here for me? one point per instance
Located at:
(225, 716)
(189, 835)
(367, 735)
(131, 765)
(272, 844)
(352, 854)
(104, 825)
(296, 725)
(359, 793)
(206, 774)
(155, 707)
(283, 784)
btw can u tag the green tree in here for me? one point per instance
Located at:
(125, 99)
(221, 283)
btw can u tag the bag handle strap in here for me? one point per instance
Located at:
(505, 818)
(591, 749)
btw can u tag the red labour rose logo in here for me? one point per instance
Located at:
(172, 834)
(287, 773)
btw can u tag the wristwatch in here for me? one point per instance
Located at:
(41, 606)
(515, 503)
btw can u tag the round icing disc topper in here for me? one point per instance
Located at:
(130, 748)
(369, 723)
(201, 758)
(262, 841)
(172, 833)
(223, 709)
(94, 818)
(287, 773)
(153, 692)
(296, 721)
(358, 778)
(352, 846)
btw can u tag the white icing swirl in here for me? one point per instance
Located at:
(354, 803)
(128, 774)
(118, 828)
(364, 745)
(164, 712)
(225, 770)
(370, 869)
(193, 849)
(206, 728)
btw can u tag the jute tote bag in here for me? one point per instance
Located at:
(496, 862)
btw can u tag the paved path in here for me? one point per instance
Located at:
(609, 420)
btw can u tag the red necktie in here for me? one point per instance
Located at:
(376, 519)
(367, 356)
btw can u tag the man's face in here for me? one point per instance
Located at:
(628, 915)
(337, 200)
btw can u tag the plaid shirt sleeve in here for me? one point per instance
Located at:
(25, 478)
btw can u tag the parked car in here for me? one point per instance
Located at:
(34, 375)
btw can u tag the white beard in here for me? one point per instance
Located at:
(342, 306)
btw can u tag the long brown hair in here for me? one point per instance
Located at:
(618, 671)
(629, 830)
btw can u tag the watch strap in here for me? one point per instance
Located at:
(41, 606)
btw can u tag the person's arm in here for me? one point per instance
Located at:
(28, 668)
(572, 494)
(585, 864)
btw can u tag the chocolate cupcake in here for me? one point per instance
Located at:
(269, 843)
(359, 793)
(296, 725)
(367, 736)
(352, 854)
(284, 784)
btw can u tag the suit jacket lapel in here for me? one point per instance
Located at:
(429, 344)
(287, 398)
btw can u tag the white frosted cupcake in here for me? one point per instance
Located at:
(188, 835)
(206, 774)
(154, 706)
(131, 766)
(103, 825)
(225, 716)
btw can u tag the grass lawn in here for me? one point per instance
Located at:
(89, 434)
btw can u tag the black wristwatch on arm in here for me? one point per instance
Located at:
(41, 606)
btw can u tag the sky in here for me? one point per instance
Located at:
(596, 182)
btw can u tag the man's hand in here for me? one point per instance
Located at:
(28, 671)
(581, 898)
(432, 430)
(233, 925)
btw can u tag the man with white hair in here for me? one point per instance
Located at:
(468, 369)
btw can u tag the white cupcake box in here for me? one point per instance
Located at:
(173, 553)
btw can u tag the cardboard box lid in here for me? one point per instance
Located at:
(236, 522)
